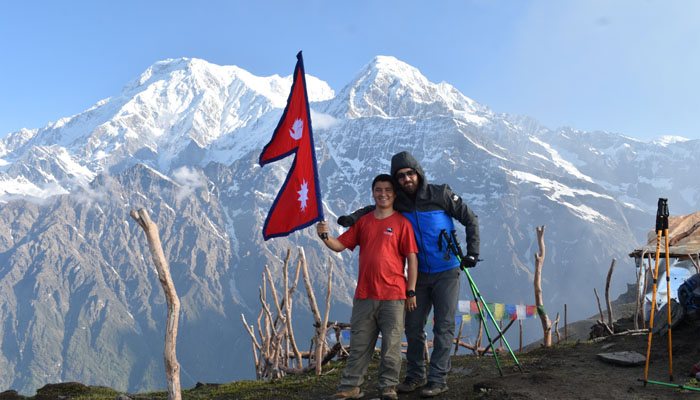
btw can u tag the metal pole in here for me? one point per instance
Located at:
(673, 385)
(481, 305)
(663, 224)
(655, 275)
(515, 359)
(668, 307)
(662, 215)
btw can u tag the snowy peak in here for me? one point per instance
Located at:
(194, 99)
(388, 67)
(390, 88)
(669, 139)
(156, 116)
(203, 75)
(15, 139)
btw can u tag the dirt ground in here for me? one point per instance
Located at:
(572, 370)
(568, 370)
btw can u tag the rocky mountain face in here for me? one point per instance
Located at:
(79, 296)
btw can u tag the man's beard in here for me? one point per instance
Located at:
(411, 190)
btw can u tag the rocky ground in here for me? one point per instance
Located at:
(569, 370)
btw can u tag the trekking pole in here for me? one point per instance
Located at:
(450, 248)
(661, 228)
(456, 249)
(673, 385)
(663, 206)
(476, 289)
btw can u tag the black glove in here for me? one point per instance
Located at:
(345, 221)
(470, 260)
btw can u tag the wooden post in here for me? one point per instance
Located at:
(477, 344)
(499, 337)
(256, 345)
(566, 325)
(607, 296)
(648, 274)
(459, 336)
(500, 342)
(600, 310)
(172, 368)
(639, 262)
(696, 263)
(520, 348)
(324, 324)
(319, 339)
(264, 311)
(288, 311)
(539, 299)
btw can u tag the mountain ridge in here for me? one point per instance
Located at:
(70, 257)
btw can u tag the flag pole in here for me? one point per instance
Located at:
(319, 197)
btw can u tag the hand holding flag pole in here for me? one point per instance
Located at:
(322, 230)
(298, 203)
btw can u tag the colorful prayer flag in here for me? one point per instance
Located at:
(463, 306)
(499, 311)
(473, 307)
(530, 310)
(511, 311)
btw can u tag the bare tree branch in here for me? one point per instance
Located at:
(321, 342)
(288, 311)
(539, 298)
(172, 367)
(607, 295)
(309, 288)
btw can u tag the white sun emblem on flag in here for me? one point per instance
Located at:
(297, 129)
(303, 195)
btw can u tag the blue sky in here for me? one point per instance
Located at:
(628, 66)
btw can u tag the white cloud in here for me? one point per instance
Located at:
(322, 121)
(87, 194)
(189, 180)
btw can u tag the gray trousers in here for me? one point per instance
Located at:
(369, 318)
(439, 291)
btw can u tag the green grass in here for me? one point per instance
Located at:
(293, 387)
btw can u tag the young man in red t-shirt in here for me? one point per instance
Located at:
(386, 242)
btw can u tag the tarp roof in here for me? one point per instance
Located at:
(684, 237)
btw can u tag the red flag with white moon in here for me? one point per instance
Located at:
(298, 203)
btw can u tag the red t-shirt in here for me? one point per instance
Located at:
(384, 245)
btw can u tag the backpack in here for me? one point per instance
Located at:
(689, 297)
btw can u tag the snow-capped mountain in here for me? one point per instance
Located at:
(173, 105)
(79, 299)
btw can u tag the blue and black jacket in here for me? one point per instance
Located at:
(430, 211)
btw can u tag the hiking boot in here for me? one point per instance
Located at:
(410, 384)
(389, 393)
(354, 393)
(433, 389)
